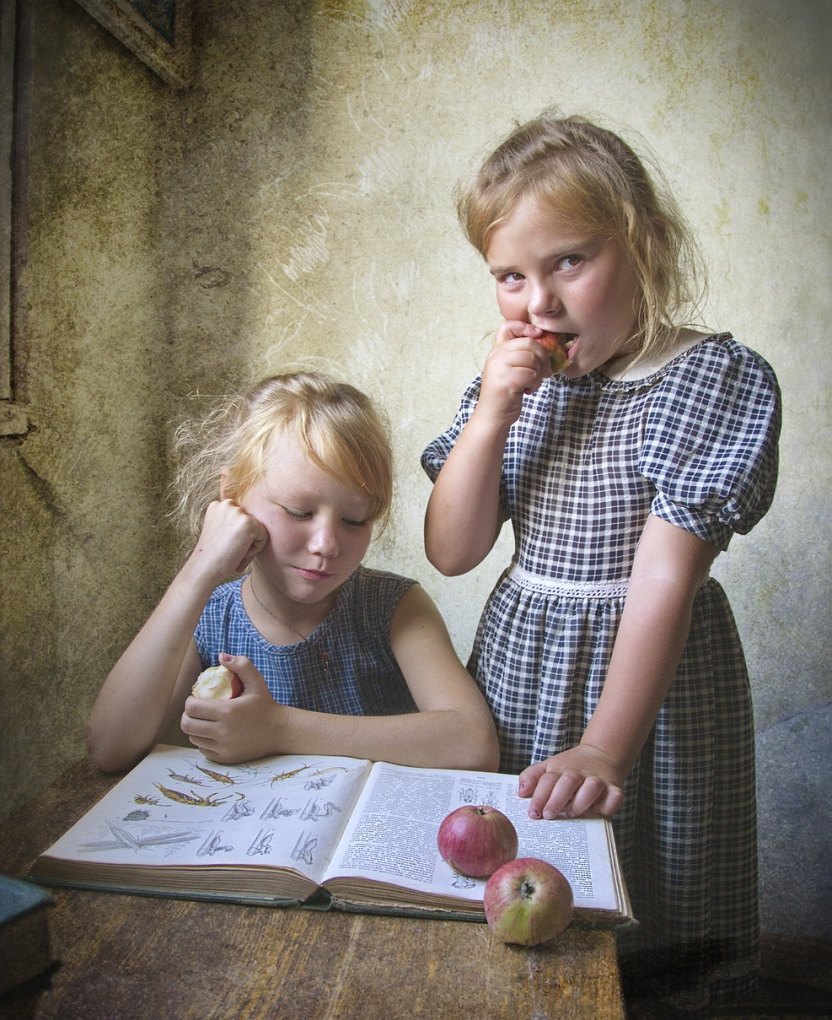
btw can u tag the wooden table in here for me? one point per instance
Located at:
(135, 956)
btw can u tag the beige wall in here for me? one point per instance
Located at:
(80, 540)
(294, 207)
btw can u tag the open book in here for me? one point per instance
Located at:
(326, 832)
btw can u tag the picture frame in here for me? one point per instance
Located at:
(158, 32)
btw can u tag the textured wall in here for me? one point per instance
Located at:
(294, 207)
(80, 544)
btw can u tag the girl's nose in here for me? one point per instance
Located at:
(323, 541)
(542, 298)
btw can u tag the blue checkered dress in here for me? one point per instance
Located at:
(346, 666)
(694, 443)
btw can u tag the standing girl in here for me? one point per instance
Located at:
(334, 658)
(609, 658)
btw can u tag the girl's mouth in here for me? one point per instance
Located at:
(558, 346)
(314, 575)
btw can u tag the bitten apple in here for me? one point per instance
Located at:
(528, 901)
(217, 682)
(477, 839)
(558, 355)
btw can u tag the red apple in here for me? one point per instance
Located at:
(557, 353)
(528, 901)
(217, 682)
(476, 839)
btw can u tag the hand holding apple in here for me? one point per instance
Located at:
(477, 839)
(528, 901)
(217, 682)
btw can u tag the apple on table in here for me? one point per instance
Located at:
(528, 901)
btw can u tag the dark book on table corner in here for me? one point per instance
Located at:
(25, 945)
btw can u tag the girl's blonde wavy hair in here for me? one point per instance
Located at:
(592, 178)
(338, 427)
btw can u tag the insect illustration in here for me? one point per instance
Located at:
(304, 847)
(218, 777)
(141, 798)
(193, 799)
(262, 844)
(213, 845)
(314, 810)
(316, 783)
(281, 776)
(242, 809)
(184, 779)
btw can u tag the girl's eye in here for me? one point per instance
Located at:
(305, 515)
(511, 279)
(355, 524)
(570, 261)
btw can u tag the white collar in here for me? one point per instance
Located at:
(622, 369)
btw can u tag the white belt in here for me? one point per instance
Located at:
(573, 589)
(568, 589)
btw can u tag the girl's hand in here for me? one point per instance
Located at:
(240, 729)
(580, 781)
(229, 540)
(513, 329)
(515, 366)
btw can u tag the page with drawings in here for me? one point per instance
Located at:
(391, 836)
(177, 808)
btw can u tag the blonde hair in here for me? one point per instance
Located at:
(591, 177)
(338, 427)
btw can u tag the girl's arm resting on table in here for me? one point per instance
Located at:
(669, 566)
(452, 729)
(146, 689)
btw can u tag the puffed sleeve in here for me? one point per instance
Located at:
(436, 453)
(711, 441)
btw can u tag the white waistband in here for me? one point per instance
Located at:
(573, 589)
(568, 589)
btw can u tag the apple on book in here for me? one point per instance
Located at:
(528, 901)
(476, 839)
(217, 682)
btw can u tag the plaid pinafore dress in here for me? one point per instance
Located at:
(694, 443)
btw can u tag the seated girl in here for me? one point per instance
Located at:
(283, 486)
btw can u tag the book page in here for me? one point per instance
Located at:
(392, 835)
(176, 808)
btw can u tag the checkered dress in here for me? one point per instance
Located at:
(694, 443)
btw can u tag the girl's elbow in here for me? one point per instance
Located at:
(493, 753)
(484, 754)
(108, 755)
(490, 760)
(446, 569)
(448, 561)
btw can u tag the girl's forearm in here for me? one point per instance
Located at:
(139, 698)
(669, 566)
(651, 637)
(463, 517)
(433, 739)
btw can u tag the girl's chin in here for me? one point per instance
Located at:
(575, 369)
